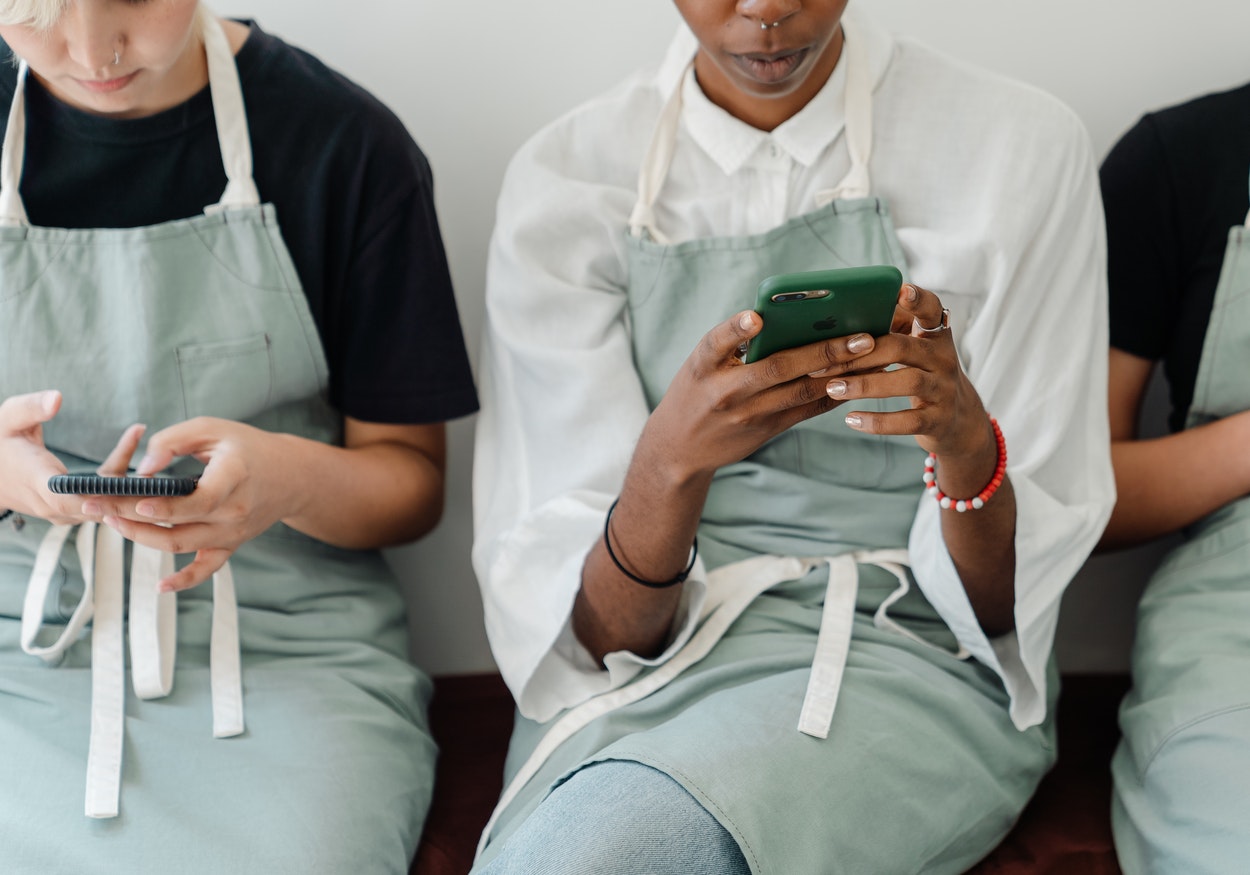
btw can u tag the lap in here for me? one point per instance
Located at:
(328, 777)
(917, 738)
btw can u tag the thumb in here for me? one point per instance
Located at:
(729, 339)
(21, 412)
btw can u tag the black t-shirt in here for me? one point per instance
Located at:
(354, 199)
(1173, 186)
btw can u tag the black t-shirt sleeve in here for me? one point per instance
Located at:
(404, 357)
(1142, 242)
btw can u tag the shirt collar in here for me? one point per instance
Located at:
(731, 143)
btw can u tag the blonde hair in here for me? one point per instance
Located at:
(39, 14)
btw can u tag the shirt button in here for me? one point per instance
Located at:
(774, 150)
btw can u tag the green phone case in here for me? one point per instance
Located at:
(858, 299)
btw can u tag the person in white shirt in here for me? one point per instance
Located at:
(841, 674)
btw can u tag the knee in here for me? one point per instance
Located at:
(619, 817)
(1184, 808)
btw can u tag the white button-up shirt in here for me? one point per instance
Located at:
(992, 186)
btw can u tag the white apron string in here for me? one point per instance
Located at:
(108, 679)
(832, 646)
(153, 631)
(232, 131)
(857, 130)
(12, 212)
(40, 581)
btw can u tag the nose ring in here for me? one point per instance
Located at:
(117, 57)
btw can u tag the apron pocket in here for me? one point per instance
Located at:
(229, 379)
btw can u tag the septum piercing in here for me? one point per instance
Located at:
(765, 25)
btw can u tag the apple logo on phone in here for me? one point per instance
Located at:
(827, 324)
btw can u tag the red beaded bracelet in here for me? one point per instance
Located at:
(978, 501)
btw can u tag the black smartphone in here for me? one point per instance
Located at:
(96, 484)
(802, 308)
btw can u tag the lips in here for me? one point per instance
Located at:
(770, 67)
(107, 86)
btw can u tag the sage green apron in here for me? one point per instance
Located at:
(921, 768)
(323, 761)
(1183, 766)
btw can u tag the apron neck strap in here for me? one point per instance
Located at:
(232, 131)
(858, 132)
(12, 212)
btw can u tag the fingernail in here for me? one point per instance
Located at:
(147, 465)
(912, 294)
(859, 343)
(854, 420)
(48, 401)
(90, 508)
(836, 389)
(744, 321)
(145, 509)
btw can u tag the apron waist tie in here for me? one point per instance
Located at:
(153, 642)
(731, 589)
(833, 643)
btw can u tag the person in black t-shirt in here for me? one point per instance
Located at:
(243, 283)
(1177, 207)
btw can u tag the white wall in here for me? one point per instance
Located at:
(473, 79)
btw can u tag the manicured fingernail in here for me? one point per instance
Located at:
(859, 343)
(853, 420)
(836, 389)
(912, 294)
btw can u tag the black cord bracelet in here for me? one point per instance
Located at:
(664, 584)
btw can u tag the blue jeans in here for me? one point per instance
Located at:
(619, 818)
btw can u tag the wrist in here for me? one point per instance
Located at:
(955, 491)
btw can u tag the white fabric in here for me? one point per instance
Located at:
(993, 189)
(108, 679)
(12, 211)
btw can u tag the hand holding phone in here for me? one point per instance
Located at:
(803, 308)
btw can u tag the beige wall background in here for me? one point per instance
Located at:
(473, 80)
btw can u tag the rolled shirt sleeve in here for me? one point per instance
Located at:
(1037, 353)
(562, 410)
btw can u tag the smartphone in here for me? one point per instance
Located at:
(96, 484)
(802, 308)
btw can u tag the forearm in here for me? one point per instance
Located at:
(1164, 484)
(981, 542)
(652, 530)
(378, 495)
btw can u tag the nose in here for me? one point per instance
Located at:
(768, 13)
(91, 35)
